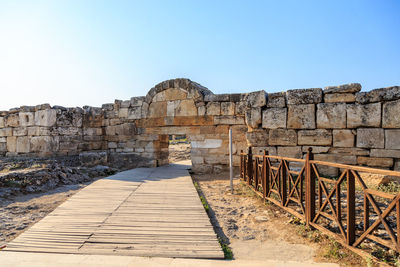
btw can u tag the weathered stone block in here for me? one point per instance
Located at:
(257, 99)
(20, 131)
(23, 144)
(277, 100)
(301, 116)
(157, 109)
(257, 138)
(186, 108)
(354, 151)
(12, 144)
(339, 98)
(370, 138)
(344, 88)
(331, 116)
(282, 137)
(274, 118)
(240, 108)
(253, 117)
(227, 108)
(123, 112)
(45, 117)
(337, 158)
(201, 111)
(197, 160)
(137, 101)
(304, 96)
(6, 132)
(314, 137)
(290, 151)
(392, 139)
(216, 98)
(375, 162)
(26, 118)
(385, 153)
(207, 143)
(12, 120)
(378, 95)
(213, 108)
(2, 124)
(232, 120)
(363, 115)
(134, 113)
(343, 138)
(316, 149)
(390, 116)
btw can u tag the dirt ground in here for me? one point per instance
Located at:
(257, 231)
(178, 152)
(20, 212)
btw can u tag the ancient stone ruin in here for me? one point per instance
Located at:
(340, 123)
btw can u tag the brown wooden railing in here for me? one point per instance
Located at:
(341, 206)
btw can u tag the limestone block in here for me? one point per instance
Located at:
(375, 162)
(227, 108)
(36, 130)
(342, 89)
(201, 111)
(378, 95)
(45, 117)
(331, 116)
(253, 117)
(343, 138)
(6, 132)
(127, 129)
(202, 168)
(240, 108)
(12, 120)
(337, 158)
(123, 112)
(363, 115)
(43, 144)
(290, 152)
(213, 108)
(354, 151)
(170, 94)
(171, 106)
(216, 159)
(108, 107)
(257, 99)
(125, 104)
(12, 144)
(257, 138)
(113, 145)
(158, 109)
(385, 153)
(392, 139)
(2, 124)
(26, 118)
(216, 98)
(314, 137)
(145, 110)
(316, 149)
(339, 98)
(67, 131)
(282, 137)
(277, 100)
(71, 117)
(390, 116)
(370, 138)
(260, 150)
(3, 147)
(23, 144)
(137, 101)
(134, 113)
(197, 160)
(274, 118)
(304, 96)
(92, 131)
(20, 131)
(207, 143)
(231, 120)
(301, 116)
(110, 130)
(186, 108)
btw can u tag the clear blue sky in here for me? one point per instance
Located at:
(81, 52)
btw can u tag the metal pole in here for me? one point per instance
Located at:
(230, 159)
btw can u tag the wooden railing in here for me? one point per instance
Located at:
(341, 206)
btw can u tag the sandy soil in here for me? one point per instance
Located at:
(20, 212)
(178, 152)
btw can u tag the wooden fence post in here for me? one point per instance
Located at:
(310, 188)
(283, 183)
(351, 209)
(249, 166)
(241, 165)
(265, 175)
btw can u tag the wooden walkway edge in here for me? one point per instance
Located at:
(141, 212)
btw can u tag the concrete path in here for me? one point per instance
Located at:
(152, 212)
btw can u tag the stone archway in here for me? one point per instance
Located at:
(181, 106)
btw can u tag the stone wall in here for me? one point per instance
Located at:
(341, 123)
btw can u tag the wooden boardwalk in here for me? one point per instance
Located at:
(141, 212)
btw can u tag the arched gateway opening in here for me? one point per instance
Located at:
(180, 107)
